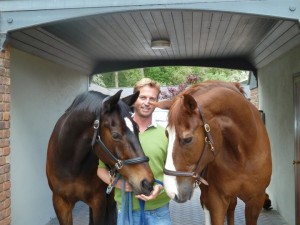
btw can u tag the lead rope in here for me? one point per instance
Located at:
(127, 206)
(142, 206)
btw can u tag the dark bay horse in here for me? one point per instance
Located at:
(95, 126)
(217, 138)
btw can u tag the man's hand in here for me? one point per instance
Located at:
(156, 190)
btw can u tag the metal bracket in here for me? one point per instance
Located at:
(3, 41)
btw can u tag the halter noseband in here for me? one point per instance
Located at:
(208, 142)
(118, 163)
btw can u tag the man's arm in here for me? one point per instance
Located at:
(104, 175)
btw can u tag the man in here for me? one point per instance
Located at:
(154, 143)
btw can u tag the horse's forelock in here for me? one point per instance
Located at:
(125, 113)
(174, 111)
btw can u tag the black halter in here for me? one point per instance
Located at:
(208, 142)
(118, 163)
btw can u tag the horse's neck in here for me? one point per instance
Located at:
(76, 133)
(233, 126)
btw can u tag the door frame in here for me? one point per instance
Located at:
(296, 161)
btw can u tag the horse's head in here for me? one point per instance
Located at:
(119, 146)
(186, 150)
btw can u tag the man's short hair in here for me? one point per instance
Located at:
(146, 82)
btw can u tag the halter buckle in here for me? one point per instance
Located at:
(195, 175)
(96, 124)
(207, 128)
(119, 164)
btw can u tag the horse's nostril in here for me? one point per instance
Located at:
(147, 186)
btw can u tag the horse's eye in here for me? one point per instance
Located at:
(186, 141)
(116, 136)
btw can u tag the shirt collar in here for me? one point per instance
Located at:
(153, 122)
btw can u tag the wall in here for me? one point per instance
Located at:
(40, 93)
(275, 82)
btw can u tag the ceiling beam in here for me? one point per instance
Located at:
(16, 15)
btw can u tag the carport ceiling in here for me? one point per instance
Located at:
(121, 40)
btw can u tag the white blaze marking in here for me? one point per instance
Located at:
(170, 182)
(129, 124)
(207, 216)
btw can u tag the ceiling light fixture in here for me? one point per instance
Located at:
(160, 44)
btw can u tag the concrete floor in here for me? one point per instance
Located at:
(190, 213)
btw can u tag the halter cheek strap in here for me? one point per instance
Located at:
(208, 143)
(118, 163)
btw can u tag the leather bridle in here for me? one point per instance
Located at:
(208, 143)
(118, 163)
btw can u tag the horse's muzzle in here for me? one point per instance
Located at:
(184, 193)
(180, 200)
(146, 187)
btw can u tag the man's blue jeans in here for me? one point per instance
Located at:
(160, 216)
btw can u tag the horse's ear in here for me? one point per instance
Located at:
(130, 100)
(110, 101)
(189, 103)
(163, 104)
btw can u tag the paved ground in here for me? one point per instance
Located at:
(189, 213)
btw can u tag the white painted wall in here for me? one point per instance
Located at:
(40, 93)
(276, 100)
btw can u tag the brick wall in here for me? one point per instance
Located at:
(5, 210)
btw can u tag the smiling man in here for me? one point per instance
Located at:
(154, 143)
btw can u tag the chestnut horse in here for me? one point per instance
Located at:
(217, 138)
(95, 126)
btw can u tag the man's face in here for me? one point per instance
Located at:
(142, 105)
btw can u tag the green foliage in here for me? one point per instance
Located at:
(169, 75)
(98, 79)
(126, 78)
(131, 77)
(163, 75)
(223, 74)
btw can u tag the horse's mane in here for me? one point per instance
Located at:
(87, 101)
(201, 88)
(210, 84)
(91, 101)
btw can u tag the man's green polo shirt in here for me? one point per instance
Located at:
(154, 143)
